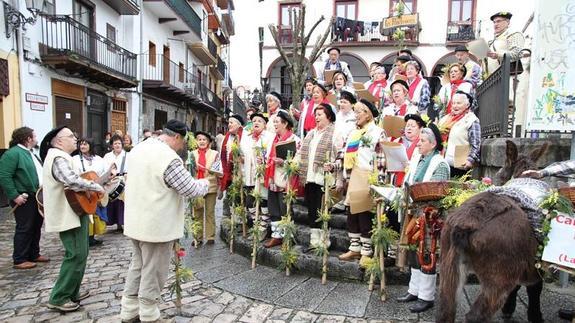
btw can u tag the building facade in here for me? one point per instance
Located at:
(106, 65)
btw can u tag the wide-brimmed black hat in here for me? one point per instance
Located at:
(346, 95)
(177, 126)
(203, 133)
(237, 117)
(461, 48)
(502, 14)
(260, 115)
(416, 118)
(402, 82)
(277, 95)
(333, 48)
(285, 116)
(371, 107)
(46, 142)
(437, 135)
(329, 110)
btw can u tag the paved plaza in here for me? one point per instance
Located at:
(225, 289)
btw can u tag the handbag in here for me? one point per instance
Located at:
(515, 67)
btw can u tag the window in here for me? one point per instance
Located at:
(346, 9)
(111, 33)
(286, 16)
(461, 10)
(410, 6)
(49, 7)
(181, 72)
(151, 54)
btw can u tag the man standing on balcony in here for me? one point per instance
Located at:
(474, 71)
(504, 42)
(334, 64)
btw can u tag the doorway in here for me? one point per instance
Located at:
(97, 119)
(166, 64)
(160, 119)
(69, 114)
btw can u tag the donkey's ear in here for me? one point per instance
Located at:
(511, 152)
(538, 152)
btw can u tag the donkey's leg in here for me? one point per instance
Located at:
(534, 309)
(490, 299)
(510, 304)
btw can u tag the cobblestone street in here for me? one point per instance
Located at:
(225, 290)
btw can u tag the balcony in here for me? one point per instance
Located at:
(229, 21)
(460, 32)
(124, 7)
(177, 15)
(219, 69)
(347, 32)
(206, 54)
(223, 4)
(70, 46)
(206, 97)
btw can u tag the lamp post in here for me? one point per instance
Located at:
(14, 19)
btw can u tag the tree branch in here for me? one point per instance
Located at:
(306, 39)
(320, 43)
(274, 31)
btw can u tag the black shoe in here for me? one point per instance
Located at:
(406, 298)
(566, 314)
(421, 306)
(93, 242)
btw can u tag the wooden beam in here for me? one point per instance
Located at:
(180, 32)
(164, 20)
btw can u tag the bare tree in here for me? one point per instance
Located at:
(294, 55)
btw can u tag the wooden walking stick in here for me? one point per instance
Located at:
(381, 257)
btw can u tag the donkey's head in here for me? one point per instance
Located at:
(516, 163)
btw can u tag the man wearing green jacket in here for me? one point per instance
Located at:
(20, 176)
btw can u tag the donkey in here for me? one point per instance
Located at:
(491, 235)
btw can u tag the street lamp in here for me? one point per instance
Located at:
(14, 19)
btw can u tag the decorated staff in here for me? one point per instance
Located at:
(358, 164)
(430, 167)
(324, 218)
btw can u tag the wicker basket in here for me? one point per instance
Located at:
(431, 191)
(568, 192)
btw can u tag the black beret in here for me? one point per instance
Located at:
(416, 118)
(203, 133)
(405, 50)
(334, 48)
(437, 135)
(284, 115)
(46, 142)
(323, 88)
(347, 96)
(277, 95)
(177, 127)
(403, 58)
(502, 14)
(402, 82)
(238, 117)
(329, 110)
(469, 96)
(371, 107)
(461, 48)
(258, 114)
(310, 80)
(340, 72)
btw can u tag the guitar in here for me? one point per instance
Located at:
(85, 202)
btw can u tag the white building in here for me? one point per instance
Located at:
(440, 26)
(106, 65)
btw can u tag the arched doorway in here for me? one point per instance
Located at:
(445, 60)
(357, 66)
(278, 80)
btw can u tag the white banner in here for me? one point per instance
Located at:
(552, 82)
(560, 249)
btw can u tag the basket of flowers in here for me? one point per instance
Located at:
(568, 192)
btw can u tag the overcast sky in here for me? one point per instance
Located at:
(244, 57)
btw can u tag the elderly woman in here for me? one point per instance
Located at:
(275, 178)
(430, 167)
(379, 85)
(461, 129)
(312, 157)
(307, 119)
(419, 92)
(207, 166)
(358, 163)
(456, 74)
(274, 104)
(400, 105)
(372, 68)
(254, 151)
(116, 159)
(87, 161)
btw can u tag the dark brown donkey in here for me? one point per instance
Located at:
(490, 235)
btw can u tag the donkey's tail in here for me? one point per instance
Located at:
(453, 274)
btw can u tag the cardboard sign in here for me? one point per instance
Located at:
(332, 99)
(358, 195)
(358, 86)
(328, 76)
(559, 249)
(393, 126)
(365, 94)
(460, 156)
(395, 156)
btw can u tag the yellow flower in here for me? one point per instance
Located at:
(383, 218)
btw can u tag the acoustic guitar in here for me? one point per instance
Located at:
(83, 203)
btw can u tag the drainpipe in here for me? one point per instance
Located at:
(141, 78)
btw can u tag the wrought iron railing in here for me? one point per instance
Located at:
(239, 105)
(460, 31)
(495, 112)
(188, 14)
(221, 66)
(212, 47)
(352, 31)
(62, 35)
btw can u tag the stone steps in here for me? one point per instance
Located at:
(299, 215)
(338, 237)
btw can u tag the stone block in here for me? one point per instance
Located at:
(304, 317)
(257, 313)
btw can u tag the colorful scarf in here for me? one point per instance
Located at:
(201, 162)
(325, 144)
(454, 86)
(328, 65)
(227, 165)
(271, 165)
(353, 142)
(413, 86)
(447, 122)
(376, 88)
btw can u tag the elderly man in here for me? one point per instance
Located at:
(334, 64)
(58, 176)
(474, 71)
(505, 42)
(20, 177)
(274, 103)
(155, 217)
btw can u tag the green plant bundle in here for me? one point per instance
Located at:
(372, 267)
(286, 225)
(181, 275)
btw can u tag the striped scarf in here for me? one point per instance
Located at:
(325, 144)
(353, 142)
